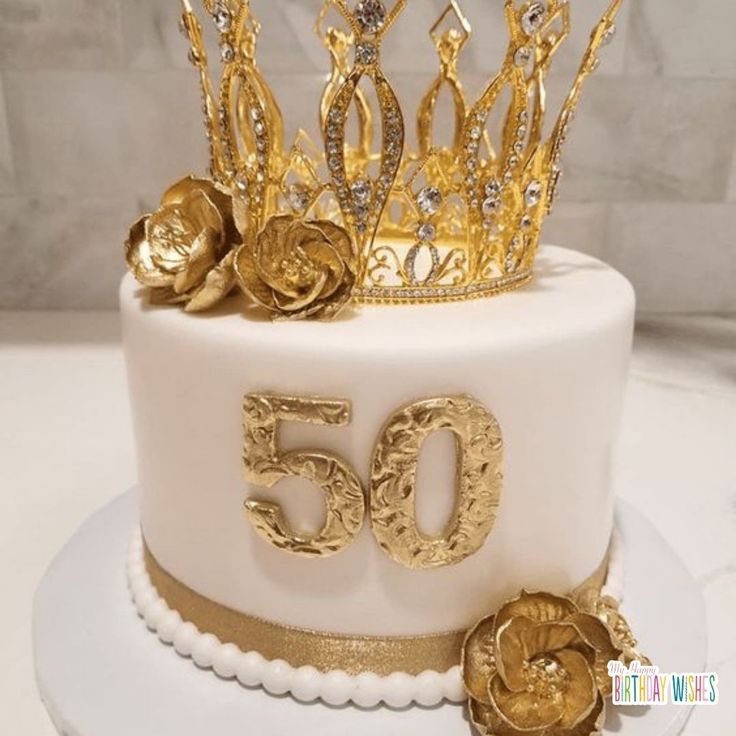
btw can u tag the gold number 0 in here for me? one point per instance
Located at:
(478, 481)
(393, 478)
(264, 465)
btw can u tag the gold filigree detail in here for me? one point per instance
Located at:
(540, 665)
(478, 486)
(264, 464)
(298, 269)
(184, 250)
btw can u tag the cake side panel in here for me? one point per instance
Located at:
(556, 393)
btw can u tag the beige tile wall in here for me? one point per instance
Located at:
(99, 110)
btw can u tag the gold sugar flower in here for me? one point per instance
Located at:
(539, 667)
(298, 269)
(184, 251)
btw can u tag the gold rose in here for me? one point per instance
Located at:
(298, 269)
(539, 666)
(185, 250)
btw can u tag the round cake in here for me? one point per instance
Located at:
(374, 421)
(549, 362)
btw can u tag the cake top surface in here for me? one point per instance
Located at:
(572, 293)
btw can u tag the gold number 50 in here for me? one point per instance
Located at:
(393, 478)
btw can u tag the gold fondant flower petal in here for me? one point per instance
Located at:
(139, 259)
(525, 710)
(598, 636)
(539, 607)
(217, 285)
(548, 638)
(201, 260)
(478, 662)
(580, 689)
(488, 721)
(510, 653)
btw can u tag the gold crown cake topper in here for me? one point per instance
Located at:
(304, 229)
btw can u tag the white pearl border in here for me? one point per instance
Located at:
(306, 684)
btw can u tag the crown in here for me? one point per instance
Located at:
(428, 223)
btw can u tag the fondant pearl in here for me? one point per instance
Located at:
(144, 597)
(429, 690)
(453, 687)
(203, 651)
(337, 687)
(225, 660)
(153, 613)
(137, 569)
(399, 690)
(277, 676)
(168, 626)
(305, 684)
(367, 690)
(250, 669)
(185, 637)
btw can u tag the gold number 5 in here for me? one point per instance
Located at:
(265, 465)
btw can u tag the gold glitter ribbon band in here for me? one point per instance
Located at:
(325, 651)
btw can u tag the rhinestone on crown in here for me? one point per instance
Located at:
(371, 15)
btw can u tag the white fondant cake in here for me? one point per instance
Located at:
(548, 361)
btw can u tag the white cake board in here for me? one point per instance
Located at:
(102, 673)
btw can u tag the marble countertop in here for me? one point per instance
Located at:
(66, 449)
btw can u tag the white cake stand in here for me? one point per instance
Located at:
(102, 673)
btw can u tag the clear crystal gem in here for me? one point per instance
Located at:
(366, 53)
(522, 56)
(533, 193)
(475, 133)
(255, 113)
(371, 15)
(491, 205)
(227, 52)
(426, 232)
(222, 18)
(493, 187)
(429, 200)
(241, 183)
(361, 190)
(526, 221)
(533, 18)
(608, 35)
